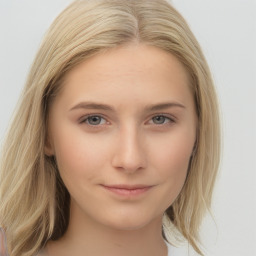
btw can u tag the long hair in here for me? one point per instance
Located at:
(34, 204)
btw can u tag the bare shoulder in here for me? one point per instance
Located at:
(3, 249)
(42, 253)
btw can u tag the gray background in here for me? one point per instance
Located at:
(226, 30)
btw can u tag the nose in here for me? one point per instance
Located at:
(129, 155)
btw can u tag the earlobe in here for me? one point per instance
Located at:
(48, 148)
(194, 148)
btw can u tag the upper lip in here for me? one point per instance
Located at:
(127, 187)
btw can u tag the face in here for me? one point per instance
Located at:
(122, 130)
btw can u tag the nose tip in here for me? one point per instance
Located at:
(130, 165)
(129, 156)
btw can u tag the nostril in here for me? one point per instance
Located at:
(129, 154)
(128, 165)
(129, 159)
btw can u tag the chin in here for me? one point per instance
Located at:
(133, 223)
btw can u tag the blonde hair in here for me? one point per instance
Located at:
(34, 201)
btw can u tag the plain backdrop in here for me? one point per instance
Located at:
(226, 30)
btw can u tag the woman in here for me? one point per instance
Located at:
(114, 149)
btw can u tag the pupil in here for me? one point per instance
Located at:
(94, 120)
(159, 119)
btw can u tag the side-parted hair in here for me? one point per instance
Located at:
(34, 203)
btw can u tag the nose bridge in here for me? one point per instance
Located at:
(130, 155)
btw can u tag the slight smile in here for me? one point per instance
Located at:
(127, 190)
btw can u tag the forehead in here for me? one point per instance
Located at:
(128, 72)
(128, 60)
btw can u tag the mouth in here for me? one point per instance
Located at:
(127, 190)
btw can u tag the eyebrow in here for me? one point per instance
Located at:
(164, 106)
(99, 106)
(92, 105)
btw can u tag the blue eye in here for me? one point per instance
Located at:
(95, 120)
(161, 119)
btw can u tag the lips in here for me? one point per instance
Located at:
(127, 190)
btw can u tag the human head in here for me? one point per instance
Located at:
(84, 29)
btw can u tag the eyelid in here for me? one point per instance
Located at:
(167, 116)
(84, 118)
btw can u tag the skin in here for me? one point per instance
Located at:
(143, 136)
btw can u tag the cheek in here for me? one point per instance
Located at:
(173, 152)
(78, 156)
(172, 161)
(174, 169)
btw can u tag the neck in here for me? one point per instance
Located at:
(88, 237)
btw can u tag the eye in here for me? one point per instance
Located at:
(161, 119)
(94, 120)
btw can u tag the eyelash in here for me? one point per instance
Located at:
(86, 118)
(165, 116)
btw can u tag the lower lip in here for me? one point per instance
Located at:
(128, 192)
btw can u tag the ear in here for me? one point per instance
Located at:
(194, 148)
(48, 148)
